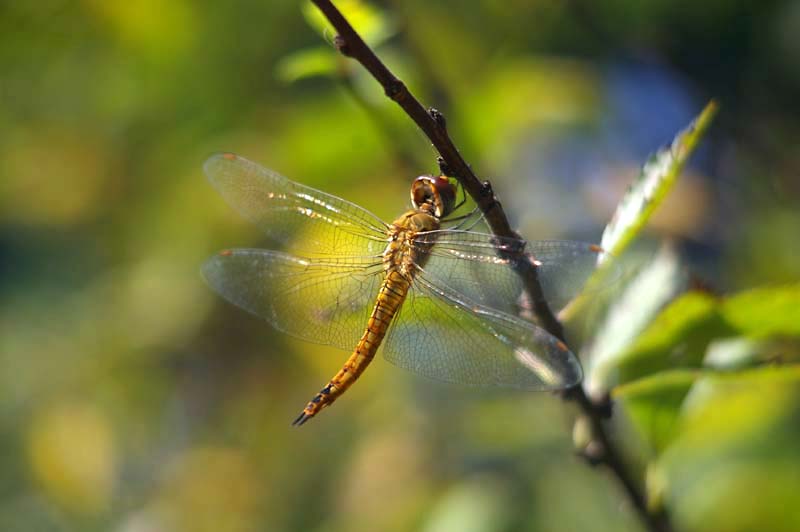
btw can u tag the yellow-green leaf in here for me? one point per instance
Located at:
(765, 311)
(653, 404)
(654, 183)
(373, 24)
(305, 64)
(683, 334)
(677, 338)
(734, 462)
(655, 285)
(643, 197)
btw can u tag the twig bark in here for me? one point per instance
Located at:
(433, 124)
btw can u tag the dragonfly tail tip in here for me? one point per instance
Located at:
(302, 418)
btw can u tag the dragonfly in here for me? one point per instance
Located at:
(443, 301)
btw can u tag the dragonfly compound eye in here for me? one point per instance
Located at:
(436, 191)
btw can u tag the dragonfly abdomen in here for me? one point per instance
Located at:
(390, 297)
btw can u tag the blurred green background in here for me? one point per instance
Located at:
(133, 399)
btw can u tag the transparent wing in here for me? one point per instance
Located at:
(443, 335)
(326, 301)
(478, 266)
(304, 219)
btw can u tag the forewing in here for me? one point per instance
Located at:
(442, 335)
(480, 266)
(305, 220)
(564, 267)
(326, 301)
(474, 265)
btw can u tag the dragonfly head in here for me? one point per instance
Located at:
(435, 191)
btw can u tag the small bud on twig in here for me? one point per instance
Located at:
(340, 44)
(444, 168)
(438, 117)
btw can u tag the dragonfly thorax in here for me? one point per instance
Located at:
(433, 193)
(406, 250)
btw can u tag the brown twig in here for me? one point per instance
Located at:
(432, 123)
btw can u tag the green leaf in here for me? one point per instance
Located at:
(373, 24)
(766, 311)
(643, 197)
(677, 338)
(305, 64)
(734, 459)
(690, 332)
(654, 183)
(642, 299)
(654, 403)
(521, 95)
(480, 504)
